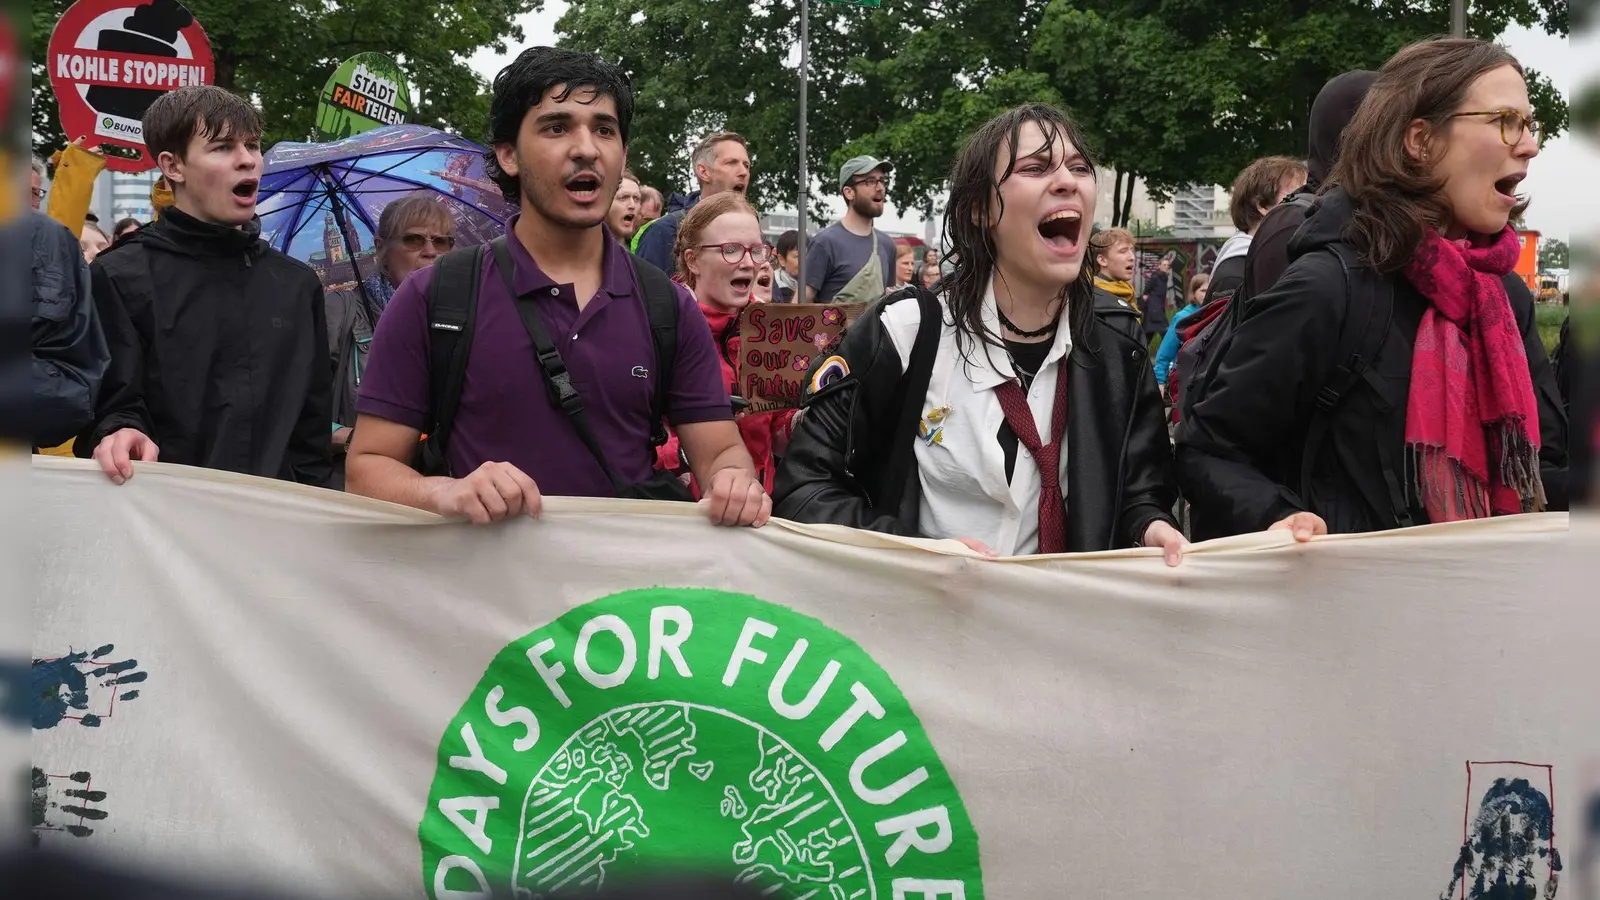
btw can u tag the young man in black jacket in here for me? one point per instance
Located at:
(218, 342)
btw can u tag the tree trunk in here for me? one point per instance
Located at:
(1127, 205)
(1116, 196)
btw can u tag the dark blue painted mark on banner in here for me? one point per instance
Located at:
(60, 687)
(1509, 849)
(69, 808)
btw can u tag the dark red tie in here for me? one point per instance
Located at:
(1052, 506)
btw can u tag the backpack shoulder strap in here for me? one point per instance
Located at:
(661, 308)
(452, 318)
(1360, 340)
(910, 393)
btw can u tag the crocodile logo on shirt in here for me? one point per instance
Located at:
(687, 727)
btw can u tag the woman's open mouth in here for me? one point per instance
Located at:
(1060, 230)
(741, 285)
(1507, 187)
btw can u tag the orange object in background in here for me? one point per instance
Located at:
(1528, 260)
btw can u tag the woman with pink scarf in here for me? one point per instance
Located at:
(1393, 375)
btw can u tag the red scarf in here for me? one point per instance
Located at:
(1472, 425)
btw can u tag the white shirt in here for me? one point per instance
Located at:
(965, 493)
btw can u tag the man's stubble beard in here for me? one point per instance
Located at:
(530, 193)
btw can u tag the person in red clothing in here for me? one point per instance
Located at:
(719, 254)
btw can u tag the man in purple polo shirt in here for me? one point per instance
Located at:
(560, 123)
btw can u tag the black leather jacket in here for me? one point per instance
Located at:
(850, 460)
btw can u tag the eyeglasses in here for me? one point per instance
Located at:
(733, 252)
(441, 242)
(871, 182)
(1512, 124)
(38, 193)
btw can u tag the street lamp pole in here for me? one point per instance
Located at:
(1458, 18)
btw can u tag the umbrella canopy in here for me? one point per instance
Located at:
(320, 203)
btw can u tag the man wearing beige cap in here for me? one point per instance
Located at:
(850, 261)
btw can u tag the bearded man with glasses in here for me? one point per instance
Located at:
(850, 261)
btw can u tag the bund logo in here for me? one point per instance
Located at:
(692, 728)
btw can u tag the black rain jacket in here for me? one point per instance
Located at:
(219, 350)
(1241, 449)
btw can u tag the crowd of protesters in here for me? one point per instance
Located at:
(1360, 358)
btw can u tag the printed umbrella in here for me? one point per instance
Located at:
(320, 203)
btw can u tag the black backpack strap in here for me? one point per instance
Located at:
(557, 379)
(909, 395)
(1358, 348)
(452, 319)
(661, 307)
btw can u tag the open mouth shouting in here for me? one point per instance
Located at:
(741, 285)
(584, 187)
(1061, 231)
(245, 192)
(1507, 188)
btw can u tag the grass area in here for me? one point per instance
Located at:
(1549, 316)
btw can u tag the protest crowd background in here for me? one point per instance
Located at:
(1315, 306)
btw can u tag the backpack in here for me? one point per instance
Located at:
(453, 315)
(1208, 333)
(1360, 339)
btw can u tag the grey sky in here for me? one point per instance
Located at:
(1558, 180)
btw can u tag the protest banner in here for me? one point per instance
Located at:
(367, 91)
(778, 344)
(276, 683)
(110, 59)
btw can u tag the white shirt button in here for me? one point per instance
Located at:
(555, 292)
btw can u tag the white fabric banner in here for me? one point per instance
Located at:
(271, 682)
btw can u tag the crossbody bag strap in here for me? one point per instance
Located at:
(557, 379)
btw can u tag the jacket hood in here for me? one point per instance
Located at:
(1238, 245)
(1324, 223)
(178, 232)
(679, 201)
(1333, 109)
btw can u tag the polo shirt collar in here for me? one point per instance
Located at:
(616, 274)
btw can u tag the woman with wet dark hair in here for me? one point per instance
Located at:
(1011, 410)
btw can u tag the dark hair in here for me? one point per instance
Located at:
(122, 224)
(1257, 186)
(788, 242)
(973, 192)
(174, 119)
(522, 85)
(1397, 198)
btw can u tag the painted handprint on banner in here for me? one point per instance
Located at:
(1508, 853)
(84, 687)
(64, 803)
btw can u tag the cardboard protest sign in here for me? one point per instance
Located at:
(367, 91)
(777, 344)
(110, 59)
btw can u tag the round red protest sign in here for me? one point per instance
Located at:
(110, 59)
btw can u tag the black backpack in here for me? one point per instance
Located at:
(1369, 315)
(453, 315)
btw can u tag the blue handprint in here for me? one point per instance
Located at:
(61, 685)
(74, 805)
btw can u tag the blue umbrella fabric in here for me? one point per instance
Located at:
(320, 203)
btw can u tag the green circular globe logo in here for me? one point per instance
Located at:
(692, 728)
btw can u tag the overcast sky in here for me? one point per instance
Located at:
(1559, 180)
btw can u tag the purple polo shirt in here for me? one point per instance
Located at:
(506, 414)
